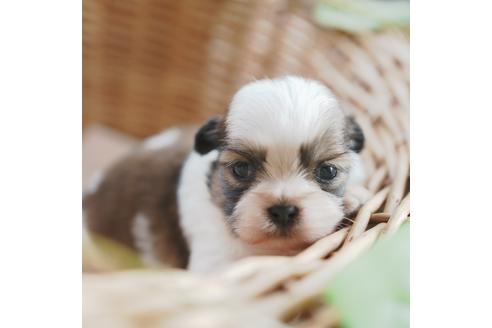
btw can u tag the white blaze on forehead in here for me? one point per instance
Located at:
(289, 110)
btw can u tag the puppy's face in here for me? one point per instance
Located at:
(285, 153)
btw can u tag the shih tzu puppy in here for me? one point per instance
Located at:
(277, 172)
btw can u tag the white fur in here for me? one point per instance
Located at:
(203, 223)
(357, 172)
(289, 110)
(279, 115)
(144, 241)
(211, 243)
(95, 182)
(321, 211)
(163, 139)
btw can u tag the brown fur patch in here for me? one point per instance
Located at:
(328, 149)
(214, 185)
(240, 151)
(143, 182)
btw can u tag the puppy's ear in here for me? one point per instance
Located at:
(354, 137)
(210, 136)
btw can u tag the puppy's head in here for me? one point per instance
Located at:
(285, 153)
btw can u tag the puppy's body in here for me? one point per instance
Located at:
(135, 202)
(270, 177)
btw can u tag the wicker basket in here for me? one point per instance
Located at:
(150, 64)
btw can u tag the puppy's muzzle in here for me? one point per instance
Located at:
(283, 215)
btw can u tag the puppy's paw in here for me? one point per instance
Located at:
(354, 198)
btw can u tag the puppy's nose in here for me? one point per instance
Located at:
(283, 215)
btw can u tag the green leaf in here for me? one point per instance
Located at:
(374, 291)
(362, 15)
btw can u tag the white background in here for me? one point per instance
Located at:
(451, 166)
(40, 163)
(40, 156)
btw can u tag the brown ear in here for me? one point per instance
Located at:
(354, 137)
(210, 136)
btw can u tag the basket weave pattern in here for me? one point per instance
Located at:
(151, 64)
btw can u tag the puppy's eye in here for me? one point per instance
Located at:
(326, 172)
(242, 170)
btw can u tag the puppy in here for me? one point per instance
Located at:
(271, 176)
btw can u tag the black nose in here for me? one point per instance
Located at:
(283, 215)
